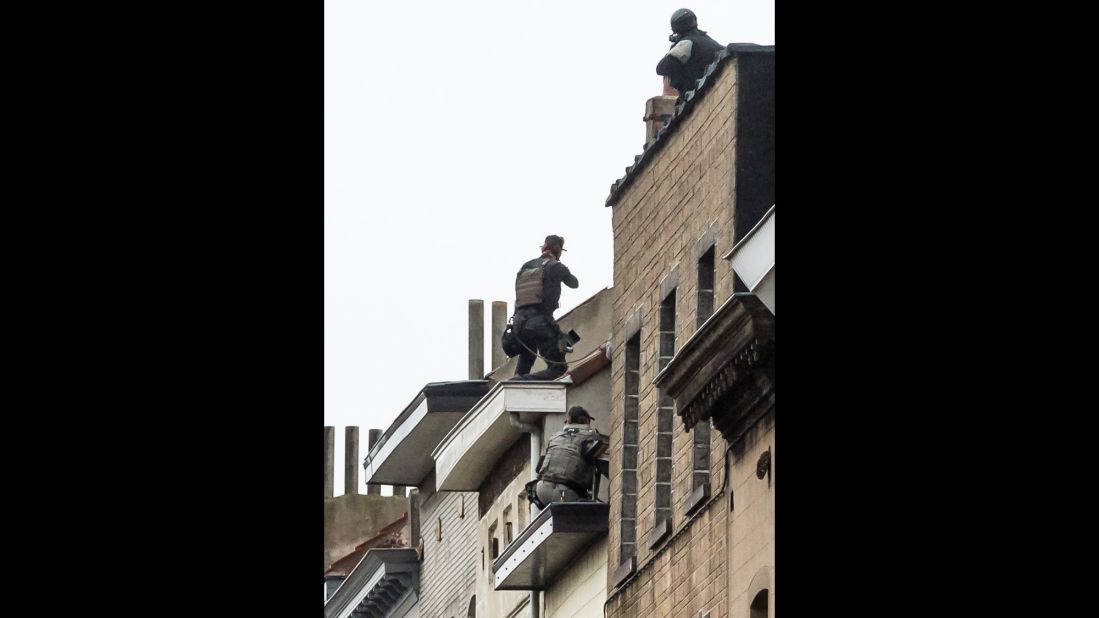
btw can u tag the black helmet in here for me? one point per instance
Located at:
(684, 20)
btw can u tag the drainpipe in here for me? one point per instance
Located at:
(535, 452)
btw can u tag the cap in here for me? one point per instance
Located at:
(555, 242)
(577, 413)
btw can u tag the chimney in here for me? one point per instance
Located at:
(329, 460)
(658, 111)
(499, 322)
(372, 436)
(476, 339)
(351, 461)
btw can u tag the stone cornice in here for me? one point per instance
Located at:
(728, 361)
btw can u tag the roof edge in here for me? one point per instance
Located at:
(682, 108)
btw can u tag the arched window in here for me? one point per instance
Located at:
(472, 613)
(759, 605)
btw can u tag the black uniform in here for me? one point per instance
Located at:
(534, 324)
(687, 59)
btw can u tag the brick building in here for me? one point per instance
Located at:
(688, 526)
(704, 181)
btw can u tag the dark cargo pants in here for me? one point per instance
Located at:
(540, 334)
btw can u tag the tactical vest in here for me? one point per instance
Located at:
(700, 51)
(529, 284)
(564, 460)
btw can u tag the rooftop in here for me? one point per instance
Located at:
(402, 455)
(388, 536)
(468, 453)
(683, 108)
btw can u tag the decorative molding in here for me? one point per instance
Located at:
(727, 367)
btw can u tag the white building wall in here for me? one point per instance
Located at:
(448, 570)
(581, 590)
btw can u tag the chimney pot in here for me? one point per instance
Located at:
(351, 461)
(329, 460)
(373, 489)
(476, 339)
(499, 322)
(658, 111)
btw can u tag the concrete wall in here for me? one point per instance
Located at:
(448, 570)
(591, 320)
(595, 396)
(501, 603)
(580, 591)
(683, 195)
(751, 553)
(351, 519)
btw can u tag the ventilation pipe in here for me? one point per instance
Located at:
(499, 322)
(351, 461)
(476, 339)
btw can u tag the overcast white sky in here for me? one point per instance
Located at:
(457, 135)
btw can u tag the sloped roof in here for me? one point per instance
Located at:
(579, 371)
(683, 107)
(389, 536)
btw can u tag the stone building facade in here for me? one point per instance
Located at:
(704, 181)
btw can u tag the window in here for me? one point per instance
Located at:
(493, 541)
(665, 415)
(700, 454)
(507, 526)
(627, 547)
(705, 287)
(700, 451)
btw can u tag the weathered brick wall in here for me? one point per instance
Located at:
(683, 194)
(687, 578)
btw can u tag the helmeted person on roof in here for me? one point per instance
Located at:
(565, 472)
(537, 292)
(692, 51)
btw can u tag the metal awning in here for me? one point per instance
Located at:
(384, 580)
(470, 451)
(402, 455)
(753, 259)
(549, 545)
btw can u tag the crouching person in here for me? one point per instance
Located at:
(565, 472)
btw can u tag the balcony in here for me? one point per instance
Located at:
(725, 370)
(474, 446)
(549, 545)
(402, 455)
